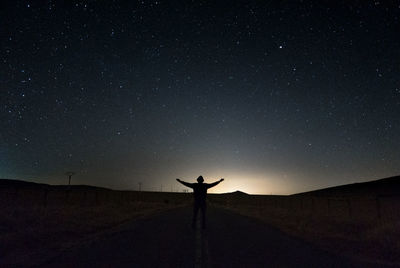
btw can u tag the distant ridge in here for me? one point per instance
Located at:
(28, 184)
(239, 193)
(19, 183)
(386, 186)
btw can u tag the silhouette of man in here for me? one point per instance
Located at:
(200, 194)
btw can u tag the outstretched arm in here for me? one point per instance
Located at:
(190, 185)
(214, 183)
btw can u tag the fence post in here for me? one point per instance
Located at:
(67, 196)
(97, 198)
(329, 206)
(16, 195)
(349, 206)
(313, 204)
(378, 207)
(45, 197)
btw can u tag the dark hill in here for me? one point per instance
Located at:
(7, 183)
(239, 193)
(387, 186)
(20, 184)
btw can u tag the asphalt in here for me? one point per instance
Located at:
(167, 240)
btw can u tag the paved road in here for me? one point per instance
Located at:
(167, 240)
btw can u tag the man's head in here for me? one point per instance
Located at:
(200, 179)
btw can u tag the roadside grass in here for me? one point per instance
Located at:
(372, 241)
(30, 234)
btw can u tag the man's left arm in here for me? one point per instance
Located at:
(214, 183)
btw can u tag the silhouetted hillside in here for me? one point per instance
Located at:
(387, 186)
(239, 193)
(18, 183)
(7, 183)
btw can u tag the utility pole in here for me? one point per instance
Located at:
(140, 186)
(69, 174)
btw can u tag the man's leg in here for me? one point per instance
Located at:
(203, 216)
(195, 211)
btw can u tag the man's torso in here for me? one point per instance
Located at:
(200, 193)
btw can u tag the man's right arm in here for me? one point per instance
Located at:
(214, 183)
(190, 185)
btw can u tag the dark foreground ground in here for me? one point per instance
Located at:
(167, 240)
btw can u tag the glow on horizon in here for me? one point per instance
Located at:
(264, 184)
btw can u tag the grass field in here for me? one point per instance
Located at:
(37, 221)
(359, 221)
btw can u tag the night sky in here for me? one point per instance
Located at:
(274, 96)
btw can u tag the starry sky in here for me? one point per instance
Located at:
(277, 97)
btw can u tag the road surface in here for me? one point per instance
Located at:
(167, 240)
